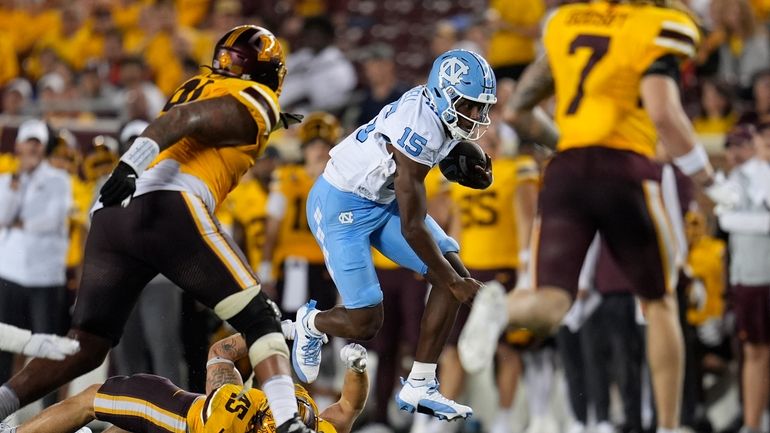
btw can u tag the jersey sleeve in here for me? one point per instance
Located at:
(261, 102)
(414, 130)
(673, 33)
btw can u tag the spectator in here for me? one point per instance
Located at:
(34, 202)
(99, 93)
(517, 26)
(137, 89)
(382, 84)
(760, 112)
(320, 77)
(716, 114)
(16, 97)
(444, 38)
(749, 226)
(745, 49)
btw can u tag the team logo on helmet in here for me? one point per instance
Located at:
(225, 60)
(452, 70)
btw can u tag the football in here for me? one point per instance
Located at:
(458, 166)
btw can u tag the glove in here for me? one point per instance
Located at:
(723, 193)
(354, 357)
(710, 332)
(697, 295)
(294, 425)
(120, 187)
(50, 346)
(285, 120)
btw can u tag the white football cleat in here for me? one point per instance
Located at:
(428, 400)
(487, 320)
(306, 350)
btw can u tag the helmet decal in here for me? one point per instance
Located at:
(452, 70)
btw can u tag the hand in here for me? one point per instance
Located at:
(287, 119)
(723, 193)
(465, 289)
(50, 346)
(481, 177)
(697, 295)
(120, 186)
(354, 357)
(711, 332)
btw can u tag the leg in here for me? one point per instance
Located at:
(665, 355)
(66, 416)
(756, 381)
(595, 335)
(161, 317)
(571, 351)
(215, 271)
(112, 280)
(354, 324)
(130, 355)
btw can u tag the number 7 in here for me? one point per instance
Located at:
(599, 45)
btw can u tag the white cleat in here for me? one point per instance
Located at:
(306, 350)
(428, 400)
(488, 319)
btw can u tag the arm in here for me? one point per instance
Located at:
(412, 203)
(220, 367)
(216, 122)
(10, 196)
(524, 211)
(276, 210)
(355, 389)
(522, 113)
(745, 222)
(660, 96)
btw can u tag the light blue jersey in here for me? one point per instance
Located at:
(352, 205)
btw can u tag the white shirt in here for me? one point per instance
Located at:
(34, 254)
(361, 163)
(322, 81)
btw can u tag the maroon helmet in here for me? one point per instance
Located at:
(251, 53)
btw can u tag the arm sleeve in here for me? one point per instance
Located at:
(261, 102)
(673, 33)
(47, 211)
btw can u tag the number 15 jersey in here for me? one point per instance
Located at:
(362, 164)
(598, 54)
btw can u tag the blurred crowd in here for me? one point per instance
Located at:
(80, 80)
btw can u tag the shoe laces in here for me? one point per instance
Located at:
(312, 350)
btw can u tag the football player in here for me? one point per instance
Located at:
(155, 215)
(372, 193)
(145, 403)
(614, 68)
(289, 245)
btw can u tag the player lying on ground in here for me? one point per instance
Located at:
(145, 403)
(24, 342)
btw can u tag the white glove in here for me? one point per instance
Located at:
(697, 295)
(354, 357)
(50, 346)
(710, 332)
(287, 328)
(723, 193)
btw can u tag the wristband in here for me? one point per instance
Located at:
(141, 154)
(524, 257)
(693, 161)
(218, 360)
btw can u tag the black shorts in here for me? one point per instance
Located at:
(616, 193)
(145, 403)
(166, 232)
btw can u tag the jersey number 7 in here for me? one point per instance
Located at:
(599, 46)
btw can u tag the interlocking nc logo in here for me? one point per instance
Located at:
(452, 70)
(346, 217)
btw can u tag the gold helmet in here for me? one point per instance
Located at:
(320, 125)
